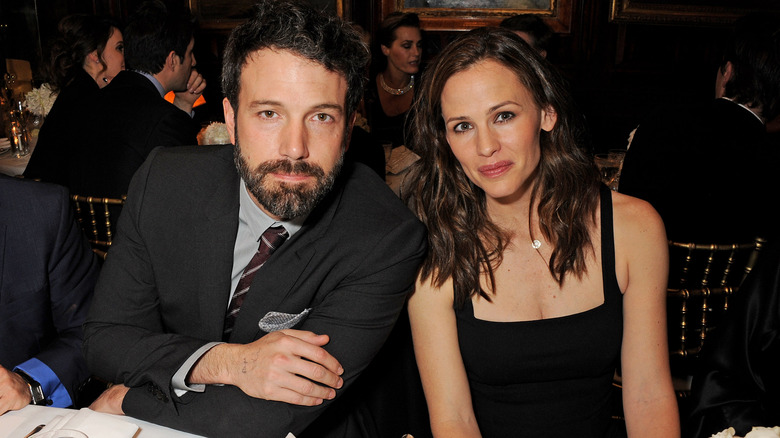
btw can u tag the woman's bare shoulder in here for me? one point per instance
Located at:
(633, 215)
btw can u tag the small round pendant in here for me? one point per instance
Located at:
(536, 244)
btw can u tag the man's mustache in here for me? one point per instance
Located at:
(291, 167)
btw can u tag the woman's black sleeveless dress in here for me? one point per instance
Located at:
(551, 377)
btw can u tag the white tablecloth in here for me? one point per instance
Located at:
(17, 424)
(13, 166)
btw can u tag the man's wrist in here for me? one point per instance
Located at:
(213, 367)
(36, 391)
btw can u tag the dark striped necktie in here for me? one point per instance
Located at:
(269, 242)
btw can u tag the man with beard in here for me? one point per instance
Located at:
(165, 325)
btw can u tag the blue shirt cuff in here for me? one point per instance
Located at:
(53, 389)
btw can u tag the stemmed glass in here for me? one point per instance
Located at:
(610, 165)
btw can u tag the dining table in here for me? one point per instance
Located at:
(18, 424)
(13, 166)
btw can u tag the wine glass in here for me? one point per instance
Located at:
(609, 167)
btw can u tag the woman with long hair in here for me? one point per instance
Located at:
(390, 93)
(86, 55)
(539, 281)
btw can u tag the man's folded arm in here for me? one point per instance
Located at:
(358, 316)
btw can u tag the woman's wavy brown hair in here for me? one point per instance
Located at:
(464, 243)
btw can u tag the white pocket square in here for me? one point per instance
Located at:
(273, 321)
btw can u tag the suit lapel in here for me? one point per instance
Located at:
(213, 242)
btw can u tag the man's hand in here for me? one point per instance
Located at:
(110, 401)
(195, 86)
(14, 392)
(281, 366)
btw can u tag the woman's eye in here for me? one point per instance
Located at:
(121, 48)
(503, 117)
(461, 127)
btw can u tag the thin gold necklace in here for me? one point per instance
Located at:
(396, 91)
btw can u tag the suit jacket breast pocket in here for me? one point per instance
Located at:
(274, 321)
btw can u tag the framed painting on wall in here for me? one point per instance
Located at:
(712, 12)
(454, 15)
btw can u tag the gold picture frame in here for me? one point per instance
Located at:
(454, 15)
(712, 12)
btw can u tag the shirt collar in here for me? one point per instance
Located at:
(743, 106)
(154, 81)
(258, 221)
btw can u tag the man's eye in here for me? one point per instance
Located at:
(324, 117)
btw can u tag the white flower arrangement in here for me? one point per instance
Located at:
(40, 100)
(756, 432)
(214, 133)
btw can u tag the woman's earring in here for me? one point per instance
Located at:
(105, 80)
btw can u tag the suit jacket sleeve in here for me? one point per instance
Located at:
(356, 309)
(125, 339)
(56, 272)
(72, 276)
(737, 384)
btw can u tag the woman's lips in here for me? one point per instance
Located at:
(495, 169)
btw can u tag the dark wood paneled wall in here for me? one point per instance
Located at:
(618, 71)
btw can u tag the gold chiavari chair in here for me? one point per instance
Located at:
(96, 217)
(702, 278)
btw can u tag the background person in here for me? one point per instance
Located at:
(532, 30)
(86, 56)
(390, 93)
(707, 167)
(132, 117)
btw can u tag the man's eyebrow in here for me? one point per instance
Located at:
(322, 106)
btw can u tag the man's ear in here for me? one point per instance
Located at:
(230, 119)
(727, 71)
(172, 60)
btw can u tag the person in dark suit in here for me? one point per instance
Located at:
(318, 308)
(47, 275)
(131, 116)
(706, 168)
(737, 384)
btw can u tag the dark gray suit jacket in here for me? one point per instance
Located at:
(47, 274)
(165, 286)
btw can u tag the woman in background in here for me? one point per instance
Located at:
(539, 281)
(391, 92)
(85, 57)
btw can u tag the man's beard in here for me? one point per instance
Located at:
(286, 201)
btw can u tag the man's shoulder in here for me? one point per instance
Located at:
(30, 200)
(184, 160)
(366, 199)
(31, 190)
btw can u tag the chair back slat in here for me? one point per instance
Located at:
(96, 217)
(702, 277)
